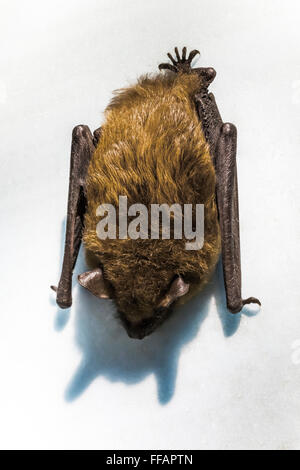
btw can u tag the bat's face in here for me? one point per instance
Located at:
(143, 302)
(140, 320)
(142, 312)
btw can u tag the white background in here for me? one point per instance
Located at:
(207, 379)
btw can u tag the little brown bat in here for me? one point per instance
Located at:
(163, 142)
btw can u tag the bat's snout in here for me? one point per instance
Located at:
(139, 330)
(136, 334)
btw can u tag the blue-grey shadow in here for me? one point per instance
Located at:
(107, 351)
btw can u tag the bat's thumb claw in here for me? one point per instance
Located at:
(236, 307)
(63, 299)
(251, 300)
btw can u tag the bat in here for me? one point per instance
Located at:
(163, 142)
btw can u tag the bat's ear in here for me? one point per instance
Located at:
(177, 289)
(95, 283)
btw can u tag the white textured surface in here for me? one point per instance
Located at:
(207, 379)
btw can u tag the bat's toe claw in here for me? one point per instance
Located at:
(180, 64)
(167, 67)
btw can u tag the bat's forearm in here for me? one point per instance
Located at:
(81, 152)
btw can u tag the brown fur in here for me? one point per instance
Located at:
(152, 150)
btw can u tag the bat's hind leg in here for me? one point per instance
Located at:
(227, 200)
(81, 152)
(180, 64)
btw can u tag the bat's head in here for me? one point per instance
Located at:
(144, 295)
(142, 313)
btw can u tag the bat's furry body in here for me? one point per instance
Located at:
(152, 150)
(163, 142)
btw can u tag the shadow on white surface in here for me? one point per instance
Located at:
(107, 350)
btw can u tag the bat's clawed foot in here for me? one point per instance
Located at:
(236, 307)
(182, 64)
